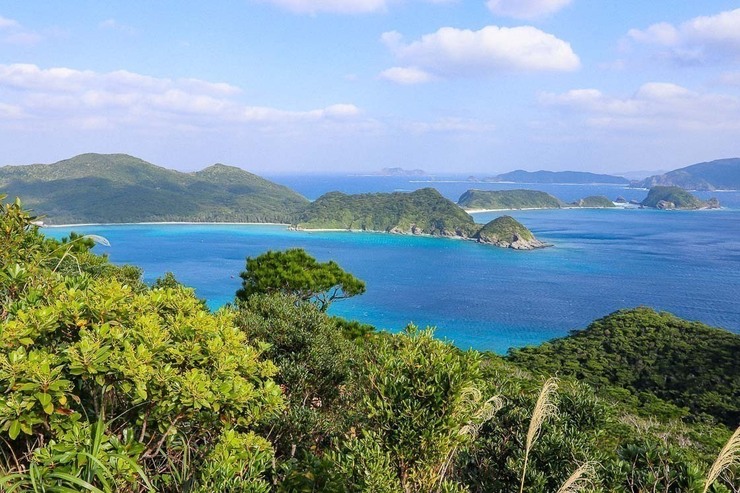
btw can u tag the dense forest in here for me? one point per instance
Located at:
(110, 384)
(676, 198)
(115, 188)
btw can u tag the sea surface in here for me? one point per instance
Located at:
(685, 262)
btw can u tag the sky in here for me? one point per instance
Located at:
(349, 86)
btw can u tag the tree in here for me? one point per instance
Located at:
(296, 273)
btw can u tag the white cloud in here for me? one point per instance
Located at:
(30, 93)
(12, 32)
(701, 39)
(334, 6)
(406, 75)
(452, 52)
(658, 105)
(339, 6)
(730, 79)
(526, 9)
(450, 125)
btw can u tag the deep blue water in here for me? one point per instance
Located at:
(685, 262)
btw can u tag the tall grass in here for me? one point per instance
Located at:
(544, 408)
(728, 456)
(580, 479)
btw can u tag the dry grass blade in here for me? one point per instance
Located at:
(729, 456)
(543, 409)
(580, 479)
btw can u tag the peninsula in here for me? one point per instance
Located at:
(524, 199)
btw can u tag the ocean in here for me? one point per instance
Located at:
(477, 296)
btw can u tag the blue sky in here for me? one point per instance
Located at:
(272, 86)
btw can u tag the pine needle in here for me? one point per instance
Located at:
(544, 408)
(729, 456)
(580, 479)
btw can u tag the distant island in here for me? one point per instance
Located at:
(721, 174)
(115, 188)
(401, 172)
(523, 199)
(580, 177)
(676, 198)
(423, 211)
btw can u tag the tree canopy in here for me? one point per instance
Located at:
(296, 273)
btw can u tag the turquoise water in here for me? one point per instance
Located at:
(479, 296)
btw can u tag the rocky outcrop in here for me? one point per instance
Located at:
(507, 232)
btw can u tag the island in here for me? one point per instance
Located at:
(595, 202)
(676, 198)
(508, 199)
(720, 174)
(487, 200)
(507, 232)
(422, 212)
(118, 188)
(570, 177)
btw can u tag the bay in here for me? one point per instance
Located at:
(685, 262)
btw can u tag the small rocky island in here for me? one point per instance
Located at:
(422, 212)
(507, 232)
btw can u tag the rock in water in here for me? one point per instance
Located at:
(507, 232)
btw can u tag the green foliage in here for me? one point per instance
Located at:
(75, 346)
(421, 406)
(508, 199)
(294, 272)
(597, 201)
(677, 196)
(424, 211)
(656, 357)
(504, 229)
(316, 366)
(113, 188)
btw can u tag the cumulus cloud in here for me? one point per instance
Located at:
(450, 125)
(526, 9)
(406, 75)
(452, 52)
(658, 105)
(12, 32)
(334, 6)
(111, 99)
(698, 40)
(313, 7)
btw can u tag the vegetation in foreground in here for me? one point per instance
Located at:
(112, 385)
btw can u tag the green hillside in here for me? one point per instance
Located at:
(721, 174)
(507, 232)
(595, 201)
(112, 188)
(651, 355)
(675, 198)
(423, 211)
(508, 199)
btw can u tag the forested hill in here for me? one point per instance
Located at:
(721, 174)
(111, 188)
(521, 176)
(651, 354)
(424, 211)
